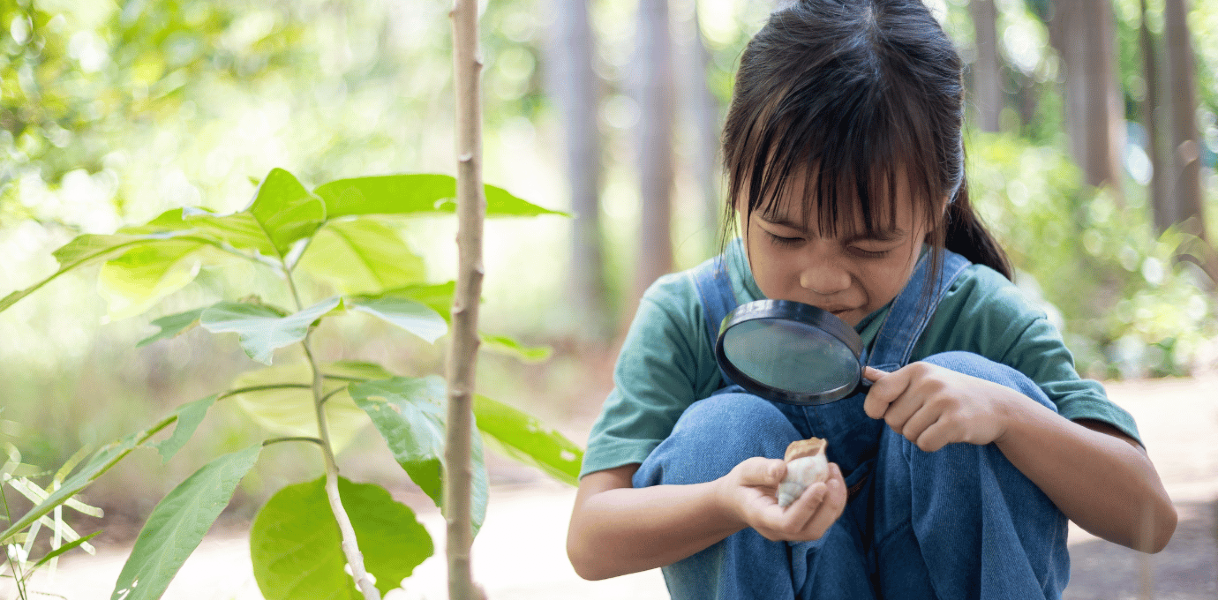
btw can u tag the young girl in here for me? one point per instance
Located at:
(954, 476)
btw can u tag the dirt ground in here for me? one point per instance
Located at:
(519, 555)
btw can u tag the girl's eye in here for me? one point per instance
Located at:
(779, 240)
(863, 253)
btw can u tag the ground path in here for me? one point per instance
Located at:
(519, 555)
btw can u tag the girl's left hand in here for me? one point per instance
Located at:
(932, 406)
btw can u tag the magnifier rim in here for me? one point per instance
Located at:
(802, 313)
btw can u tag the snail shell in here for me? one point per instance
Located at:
(806, 465)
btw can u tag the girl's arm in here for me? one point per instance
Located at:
(617, 529)
(1099, 477)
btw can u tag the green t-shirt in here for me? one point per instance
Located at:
(667, 361)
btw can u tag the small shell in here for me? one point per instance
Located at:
(806, 464)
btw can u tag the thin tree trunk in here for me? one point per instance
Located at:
(463, 349)
(1185, 182)
(655, 134)
(575, 88)
(987, 71)
(1083, 31)
(703, 122)
(1160, 201)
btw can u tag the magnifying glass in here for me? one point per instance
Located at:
(791, 352)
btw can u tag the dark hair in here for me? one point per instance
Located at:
(852, 94)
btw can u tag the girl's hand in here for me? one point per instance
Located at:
(932, 406)
(749, 491)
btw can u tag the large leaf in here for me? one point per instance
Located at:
(262, 330)
(414, 194)
(285, 210)
(142, 276)
(524, 438)
(296, 548)
(410, 413)
(290, 411)
(438, 296)
(178, 523)
(361, 256)
(415, 317)
(505, 345)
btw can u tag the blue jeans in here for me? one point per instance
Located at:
(961, 522)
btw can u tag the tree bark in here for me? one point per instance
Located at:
(987, 70)
(703, 123)
(463, 348)
(576, 90)
(655, 132)
(1083, 31)
(1160, 201)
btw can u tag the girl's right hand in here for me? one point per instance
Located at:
(749, 491)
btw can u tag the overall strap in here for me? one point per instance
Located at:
(715, 293)
(912, 310)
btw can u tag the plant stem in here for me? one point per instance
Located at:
(350, 546)
(463, 349)
(351, 550)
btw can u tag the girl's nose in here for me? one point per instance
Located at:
(824, 277)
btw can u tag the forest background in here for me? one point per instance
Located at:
(1093, 164)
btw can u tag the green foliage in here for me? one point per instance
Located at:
(339, 244)
(178, 523)
(298, 555)
(1131, 302)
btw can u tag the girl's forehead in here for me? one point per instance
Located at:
(799, 202)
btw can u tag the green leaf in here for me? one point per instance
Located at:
(190, 416)
(142, 276)
(173, 325)
(289, 410)
(285, 210)
(523, 438)
(178, 523)
(414, 194)
(415, 317)
(296, 548)
(64, 548)
(503, 344)
(261, 330)
(438, 296)
(102, 460)
(361, 256)
(410, 413)
(90, 248)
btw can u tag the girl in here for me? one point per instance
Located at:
(955, 474)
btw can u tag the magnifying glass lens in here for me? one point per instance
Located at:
(789, 355)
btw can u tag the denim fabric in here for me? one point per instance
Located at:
(958, 523)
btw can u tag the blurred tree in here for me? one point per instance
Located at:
(986, 70)
(1150, 113)
(1183, 203)
(576, 92)
(1083, 33)
(702, 118)
(654, 69)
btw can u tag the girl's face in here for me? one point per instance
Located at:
(850, 275)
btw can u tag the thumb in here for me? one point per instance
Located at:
(762, 471)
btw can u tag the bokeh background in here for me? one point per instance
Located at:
(1092, 141)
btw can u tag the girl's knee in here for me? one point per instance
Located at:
(714, 435)
(981, 367)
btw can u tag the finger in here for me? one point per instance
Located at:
(762, 471)
(873, 374)
(830, 507)
(886, 390)
(917, 423)
(936, 436)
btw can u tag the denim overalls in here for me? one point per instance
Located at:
(961, 522)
